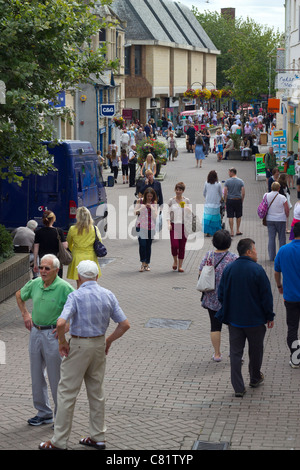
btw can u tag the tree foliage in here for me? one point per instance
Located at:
(44, 49)
(247, 53)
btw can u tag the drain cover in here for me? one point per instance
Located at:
(202, 445)
(166, 323)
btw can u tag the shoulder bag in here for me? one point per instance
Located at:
(64, 255)
(207, 278)
(99, 248)
(265, 217)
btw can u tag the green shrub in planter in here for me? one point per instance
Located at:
(6, 244)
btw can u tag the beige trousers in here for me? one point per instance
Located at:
(85, 362)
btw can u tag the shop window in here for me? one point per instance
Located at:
(138, 60)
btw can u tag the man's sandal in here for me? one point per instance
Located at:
(87, 441)
(48, 446)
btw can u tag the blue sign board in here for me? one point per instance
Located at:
(61, 98)
(107, 110)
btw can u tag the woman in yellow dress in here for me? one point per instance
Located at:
(81, 237)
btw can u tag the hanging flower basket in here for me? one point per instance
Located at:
(119, 122)
(203, 94)
(190, 93)
(227, 93)
(216, 94)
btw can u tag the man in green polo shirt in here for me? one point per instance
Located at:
(49, 294)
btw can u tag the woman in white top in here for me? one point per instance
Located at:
(278, 213)
(149, 164)
(213, 195)
(178, 207)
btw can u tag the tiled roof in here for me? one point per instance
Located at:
(164, 21)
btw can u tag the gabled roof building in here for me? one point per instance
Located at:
(166, 52)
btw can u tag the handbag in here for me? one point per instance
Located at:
(207, 278)
(99, 248)
(64, 255)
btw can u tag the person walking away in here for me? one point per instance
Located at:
(81, 238)
(247, 306)
(234, 195)
(49, 294)
(199, 151)
(125, 140)
(46, 240)
(277, 216)
(89, 311)
(124, 163)
(191, 133)
(287, 278)
(213, 195)
(209, 300)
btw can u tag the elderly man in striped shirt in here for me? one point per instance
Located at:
(89, 311)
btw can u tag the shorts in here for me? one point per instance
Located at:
(220, 148)
(234, 208)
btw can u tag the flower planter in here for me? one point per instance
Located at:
(14, 273)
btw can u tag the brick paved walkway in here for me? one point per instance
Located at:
(163, 390)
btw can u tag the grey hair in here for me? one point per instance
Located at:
(32, 224)
(55, 260)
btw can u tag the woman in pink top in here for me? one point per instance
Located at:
(146, 210)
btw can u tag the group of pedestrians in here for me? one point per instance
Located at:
(241, 281)
(85, 314)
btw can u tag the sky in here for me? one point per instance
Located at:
(264, 12)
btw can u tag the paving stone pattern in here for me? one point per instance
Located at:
(163, 389)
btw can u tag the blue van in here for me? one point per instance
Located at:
(77, 182)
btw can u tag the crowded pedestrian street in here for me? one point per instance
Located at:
(163, 389)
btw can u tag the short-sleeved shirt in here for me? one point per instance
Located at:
(46, 237)
(234, 188)
(89, 310)
(24, 236)
(48, 303)
(287, 262)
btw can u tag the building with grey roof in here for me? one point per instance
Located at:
(166, 52)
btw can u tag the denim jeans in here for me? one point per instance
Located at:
(273, 229)
(145, 244)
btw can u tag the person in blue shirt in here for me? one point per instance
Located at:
(287, 270)
(247, 306)
(89, 312)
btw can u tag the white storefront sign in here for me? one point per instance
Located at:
(288, 81)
